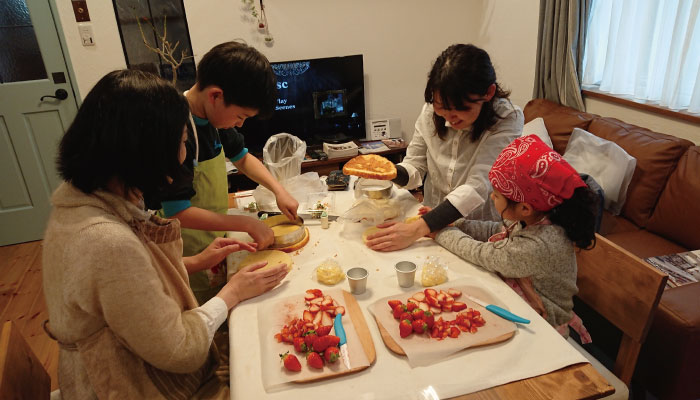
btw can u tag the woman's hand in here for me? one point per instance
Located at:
(261, 233)
(424, 210)
(215, 253)
(251, 281)
(287, 204)
(397, 236)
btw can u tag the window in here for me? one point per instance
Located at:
(646, 50)
(150, 14)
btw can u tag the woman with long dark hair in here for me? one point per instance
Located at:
(466, 121)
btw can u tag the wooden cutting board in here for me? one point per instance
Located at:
(358, 321)
(393, 346)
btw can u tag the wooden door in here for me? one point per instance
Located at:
(32, 66)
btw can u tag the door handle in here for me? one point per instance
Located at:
(60, 94)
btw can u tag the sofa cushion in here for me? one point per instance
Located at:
(677, 214)
(615, 224)
(657, 155)
(643, 243)
(559, 120)
(536, 127)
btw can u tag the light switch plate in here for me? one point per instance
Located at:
(86, 35)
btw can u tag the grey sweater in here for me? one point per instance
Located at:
(541, 252)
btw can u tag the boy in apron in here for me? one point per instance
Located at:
(234, 82)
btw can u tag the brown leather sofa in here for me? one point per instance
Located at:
(660, 216)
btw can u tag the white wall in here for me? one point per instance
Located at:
(87, 64)
(655, 122)
(398, 38)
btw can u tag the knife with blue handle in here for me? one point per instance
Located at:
(501, 312)
(343, 345)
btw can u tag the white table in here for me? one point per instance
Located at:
(535, 349)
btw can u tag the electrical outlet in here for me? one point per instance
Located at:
(86, 35)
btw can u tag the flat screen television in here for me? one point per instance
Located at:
(319, 100)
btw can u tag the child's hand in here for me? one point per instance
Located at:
(261, 234)
(287, 204)
(424, 210)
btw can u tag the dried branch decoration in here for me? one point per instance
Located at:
(167, 49)
(261, 18)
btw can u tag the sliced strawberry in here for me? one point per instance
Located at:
(449, 299)
(420, 296)
(441, 297)
(458, 306)
(430, 292)
(447, 307)
(309, 296)
(323, 330)
(432, 301)
(315, 292)
(394, 303)
(454, 332)
(314, 308)
(340, 310)
(473, 329)
(317, 301)
(424, 306)
(410, 306)
(317, 318)
(436, 310)
(326, 318)
(327, 301)
(314, 360)
(310, 325)
(454, 293)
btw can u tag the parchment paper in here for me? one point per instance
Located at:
(272, 316)
(422, 350)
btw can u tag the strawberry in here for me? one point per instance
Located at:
(398, 310)
(454, 332)
(454, 293)
(309, 338)
(299, 345)
(323, 330)
(419, 326)
(420, 296)
(394, 303)
(429, 319)
(430, 292)
(315, 292)
(314, 360)
(418, 314)
(410, 306)
(308, 317)
(291, 362)
(339, 310)
(405, 328)
(458, 306)
(324, 342)
(331, 354)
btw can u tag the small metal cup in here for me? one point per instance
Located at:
(405, 273)
(357, 278)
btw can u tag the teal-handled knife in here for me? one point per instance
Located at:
(501, 312)
(343, 345)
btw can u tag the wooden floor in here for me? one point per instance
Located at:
(22, 301)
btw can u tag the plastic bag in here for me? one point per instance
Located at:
(283, 154)
(434, 272)
(329, 272)
(298, 186)
(373, 211)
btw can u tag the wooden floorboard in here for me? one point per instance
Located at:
(22, 301)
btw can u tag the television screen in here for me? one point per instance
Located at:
(321, 99)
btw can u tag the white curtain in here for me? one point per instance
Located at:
(647, 49)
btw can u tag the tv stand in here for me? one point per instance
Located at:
(334, 138)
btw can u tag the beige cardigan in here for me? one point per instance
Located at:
(119, 302)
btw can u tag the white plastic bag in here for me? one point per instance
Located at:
(283, 154)
(298, 186)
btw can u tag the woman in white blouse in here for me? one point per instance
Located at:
(466, 122)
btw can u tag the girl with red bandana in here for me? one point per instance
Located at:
(547, 212)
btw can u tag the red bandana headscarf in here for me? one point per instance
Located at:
(529, 171)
